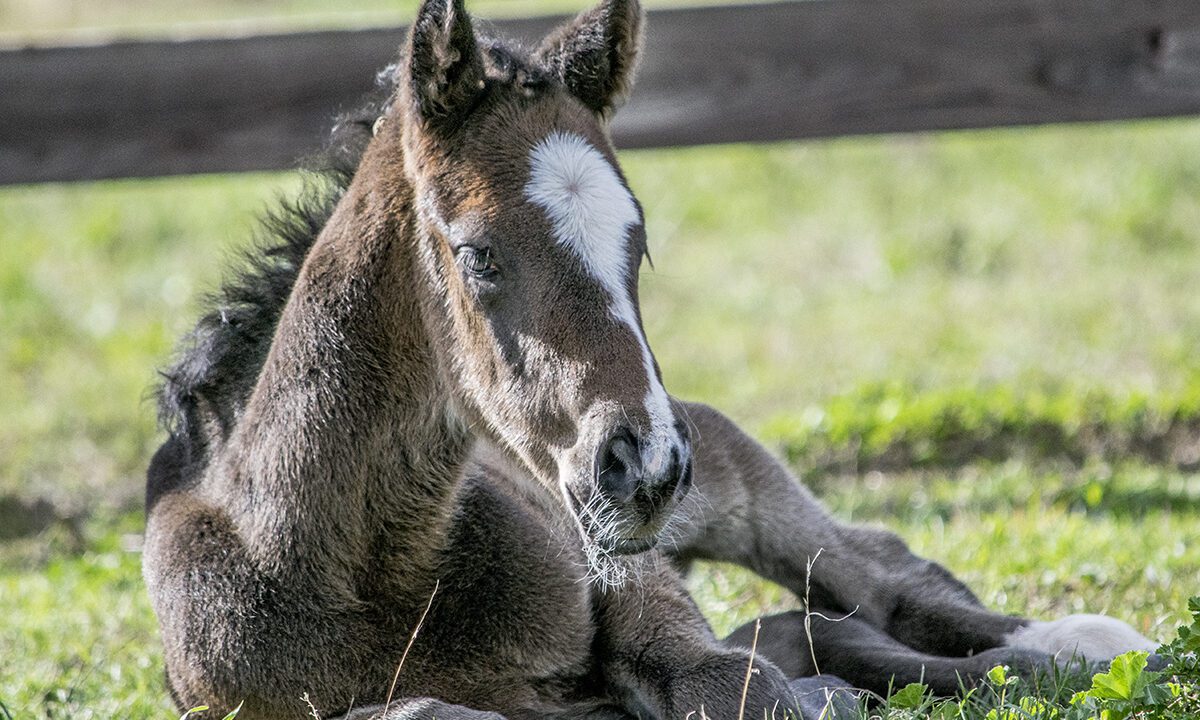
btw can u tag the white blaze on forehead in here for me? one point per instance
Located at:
(592, 212)
(590, 207)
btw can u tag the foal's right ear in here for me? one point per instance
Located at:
(443, 69)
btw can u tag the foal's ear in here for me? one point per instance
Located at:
(443, 69)
(595, 54)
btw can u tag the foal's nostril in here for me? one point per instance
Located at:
(619, 467)
(661, 490)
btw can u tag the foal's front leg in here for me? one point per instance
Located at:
(419, 709)
(661, 660)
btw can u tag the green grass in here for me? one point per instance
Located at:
(96, 282)
(79, 639)
(894, 426)
(1018, 288)
(1046, 257)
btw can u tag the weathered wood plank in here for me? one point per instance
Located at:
(713, 74)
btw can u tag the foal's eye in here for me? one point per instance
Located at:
(477, 261)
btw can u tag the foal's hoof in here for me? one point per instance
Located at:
(1096, 637)
(1022, 662)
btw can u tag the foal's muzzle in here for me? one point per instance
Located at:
(641, 485)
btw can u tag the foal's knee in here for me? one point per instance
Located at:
(714, 687)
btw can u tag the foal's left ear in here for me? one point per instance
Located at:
(443, 69)
(595, 54)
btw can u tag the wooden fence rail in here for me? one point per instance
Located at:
(711, 74)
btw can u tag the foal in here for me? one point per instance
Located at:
(473, 289)
(434, 409)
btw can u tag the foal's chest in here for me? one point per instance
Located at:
(512, 618)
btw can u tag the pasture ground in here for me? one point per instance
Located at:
(840, 299)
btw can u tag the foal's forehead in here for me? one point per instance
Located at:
(587, 203)
(550, 155)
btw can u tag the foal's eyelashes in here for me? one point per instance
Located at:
(477, 261)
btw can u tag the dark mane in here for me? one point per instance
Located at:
(218, 362)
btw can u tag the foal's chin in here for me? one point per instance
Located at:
(634, 546)
(618, 543)
(610, 533)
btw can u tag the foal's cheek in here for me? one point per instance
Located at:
(489, 296)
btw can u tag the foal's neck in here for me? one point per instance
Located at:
(345, 461)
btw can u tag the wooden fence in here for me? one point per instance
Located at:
(710, 74)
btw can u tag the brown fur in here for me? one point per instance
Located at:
(405, 434)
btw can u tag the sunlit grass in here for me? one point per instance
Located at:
(78, 637)
(786, 274)
(96, 283)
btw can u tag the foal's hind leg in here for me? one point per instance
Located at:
(748, 509)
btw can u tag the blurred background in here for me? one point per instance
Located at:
(984, 340)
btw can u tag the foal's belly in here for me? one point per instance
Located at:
(510, 628)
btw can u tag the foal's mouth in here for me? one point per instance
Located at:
(633, 546)
(599, 526)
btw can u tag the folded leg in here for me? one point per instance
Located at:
(661, 660)
(827, 697)
(746, 508)
(419, 709)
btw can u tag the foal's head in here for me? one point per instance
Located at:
(532, 241)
